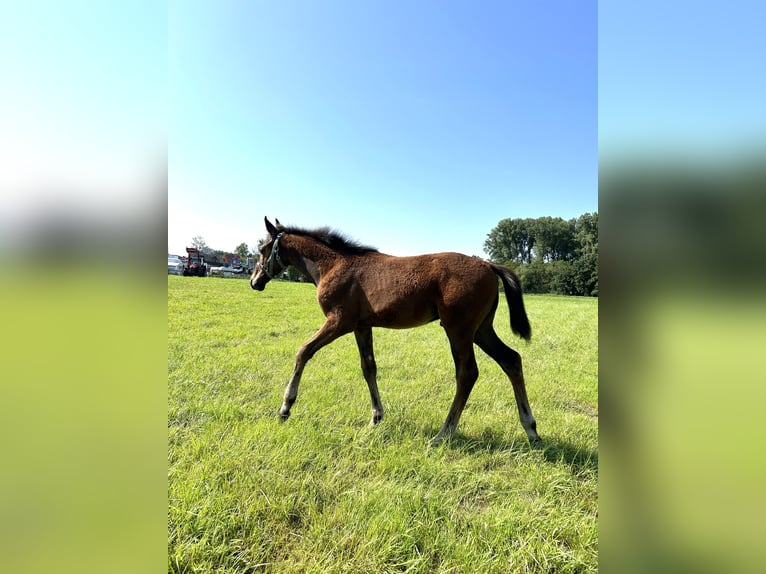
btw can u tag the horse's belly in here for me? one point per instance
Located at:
(403, 316)
(399, 298)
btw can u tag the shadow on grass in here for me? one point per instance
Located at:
(579, 458)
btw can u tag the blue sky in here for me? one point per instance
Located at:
(83, 126)
(411, 126)
(681, 79)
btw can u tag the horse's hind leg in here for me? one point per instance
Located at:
(466, 373)
(370, 371)
(510, 361)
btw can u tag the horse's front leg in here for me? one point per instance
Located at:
(330, 331)
(370, 371)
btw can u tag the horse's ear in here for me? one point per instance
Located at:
(269, 227)
(279, 225)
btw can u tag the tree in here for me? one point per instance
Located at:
(554, 239)
(585, 266)
(242, 250)
(199, 243)
(586, 234)
(543, 239)
(511, 240)
(535, 277)
(585, 274)
(550, 254)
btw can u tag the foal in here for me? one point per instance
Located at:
(359, 288)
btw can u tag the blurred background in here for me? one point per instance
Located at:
(83, 153)
(83, 171)
(682, 198)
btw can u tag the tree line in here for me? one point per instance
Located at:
(549, 254)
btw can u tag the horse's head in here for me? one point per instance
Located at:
(269, 264)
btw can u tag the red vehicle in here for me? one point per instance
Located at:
(195, 265)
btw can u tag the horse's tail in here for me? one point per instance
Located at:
(512, 286)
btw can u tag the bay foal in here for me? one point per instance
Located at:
(359, 288)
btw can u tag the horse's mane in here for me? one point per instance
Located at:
(333, 239)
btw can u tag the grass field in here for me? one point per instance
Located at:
(324, 492)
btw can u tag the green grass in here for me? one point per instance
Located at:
(324, 492)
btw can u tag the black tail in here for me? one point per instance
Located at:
(512, 286)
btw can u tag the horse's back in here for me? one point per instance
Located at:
(402, 292)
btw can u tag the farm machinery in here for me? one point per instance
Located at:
(195, 265)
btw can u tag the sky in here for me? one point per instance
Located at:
(414, 127)
(83, 99)
(682, 79)
(411, 126)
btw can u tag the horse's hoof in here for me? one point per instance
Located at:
(283, 416)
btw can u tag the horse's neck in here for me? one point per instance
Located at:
(313, 257)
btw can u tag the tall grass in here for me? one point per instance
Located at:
(324, 492)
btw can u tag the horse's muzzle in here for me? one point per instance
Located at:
(255, 285)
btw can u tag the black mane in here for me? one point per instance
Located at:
(335, 240)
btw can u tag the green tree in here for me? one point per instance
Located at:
(550, 254)
(585, 274)
(242, 251)
(585, 265)
(586, 234)
(535, 277)
(554, 239)
(511, 240)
